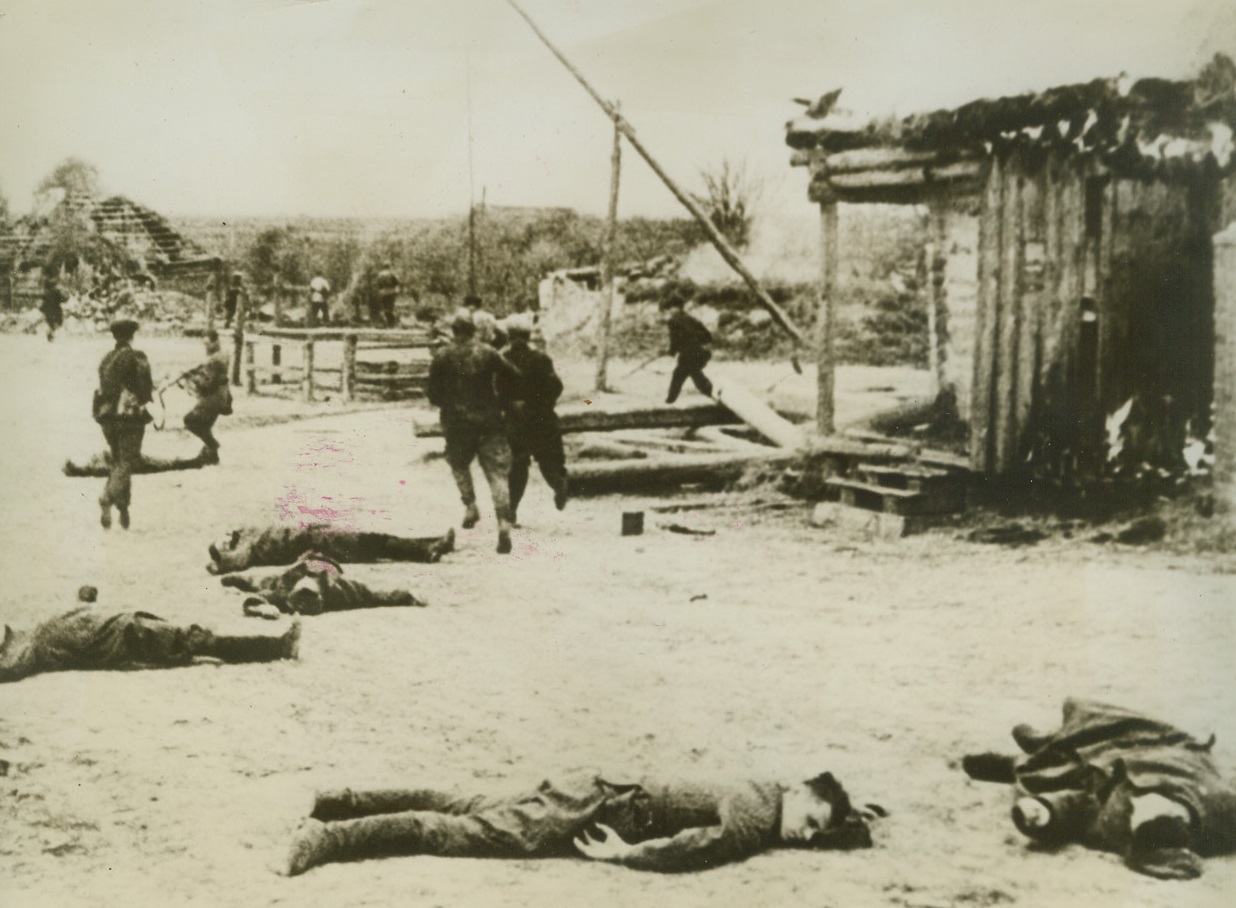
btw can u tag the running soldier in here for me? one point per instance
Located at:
(125, 388)
(473, 385)
(534, 429)
(214, 397)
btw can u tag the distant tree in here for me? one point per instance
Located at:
(72, 175)
(729, 199)
(72, 237)
(4, 211)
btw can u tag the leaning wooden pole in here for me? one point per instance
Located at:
(607, 265)
(727, 251)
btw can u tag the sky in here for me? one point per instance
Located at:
(412, 108)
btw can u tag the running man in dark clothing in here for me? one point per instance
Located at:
(534, 430)
(689, 340)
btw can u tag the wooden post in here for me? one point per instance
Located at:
(347, 379)
(607, 264)
(307, 351)
(238, 333)
(825, 376)
(250, 367)
(214, 297)
(937, 261)
(1225, 372)
(276, 363)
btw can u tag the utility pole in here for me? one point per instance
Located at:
(607, 264)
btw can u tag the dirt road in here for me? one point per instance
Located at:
(769, 648)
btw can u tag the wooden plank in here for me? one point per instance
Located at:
(1003, 426)
(755, 413)
(594, 419)
(986, 320)
(409, 337)
(1029, 303)
(886, 179)
(602, 477)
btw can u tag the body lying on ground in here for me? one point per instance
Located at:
(99, 464)
(645, 824)
(276, 546)
(1118, 781)
(90, 638)
(313, 585)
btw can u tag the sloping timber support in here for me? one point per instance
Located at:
(755, 413)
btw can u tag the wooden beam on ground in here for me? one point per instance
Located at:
(755, 413)
(606, 476)
(593, 419)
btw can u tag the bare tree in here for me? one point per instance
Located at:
(730, 196)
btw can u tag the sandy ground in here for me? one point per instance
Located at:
(769, 648)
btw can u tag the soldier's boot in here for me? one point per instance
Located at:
(105, 514)
(504, 537)
(443, 546)
(383, 835)
(256, 648)
(123, 511)
(471, 516)
(562, 492)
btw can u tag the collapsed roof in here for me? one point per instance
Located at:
(1145, 129)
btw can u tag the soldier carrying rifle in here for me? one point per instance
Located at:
(209, 382)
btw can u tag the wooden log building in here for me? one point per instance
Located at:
(1072, 231)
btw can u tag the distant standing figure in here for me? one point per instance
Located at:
(689, 340)
(473, 385)
(125, 387)
(487, 330)
(319, 301)
(231, 302)
(534, 429)
(382, 302)
(214, 397)
(53, 300)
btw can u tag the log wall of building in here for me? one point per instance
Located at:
(1091, 291)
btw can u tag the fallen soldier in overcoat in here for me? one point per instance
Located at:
(644, 824)
(88, 638)
(313, 585)
(1115, 780)
(276, 546)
